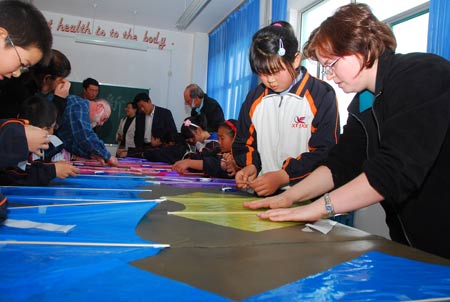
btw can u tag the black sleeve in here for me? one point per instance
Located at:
(211, 166)
(216, 118)
(60, 104)
(36, 174)
(140, 130)
(245, 145)
(14, 143)
(168, 155)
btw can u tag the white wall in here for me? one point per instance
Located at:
(173, 60)
(372, 220)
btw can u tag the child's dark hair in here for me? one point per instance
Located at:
(271, 46)
(26, 26)
(284, 24)
(39, 111)
(59, 66)
(231, 126)
(166, 136)
(90, 81)
(133, 104)
(191, 124)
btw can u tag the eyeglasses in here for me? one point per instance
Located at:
(329, 68)
(23, 67)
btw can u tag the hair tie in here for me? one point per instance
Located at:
(277, 24)
(188, 123)
(281, 49)
(230, 124)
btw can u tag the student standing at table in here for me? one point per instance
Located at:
(25, 39)
(395, 148)
(289, 122)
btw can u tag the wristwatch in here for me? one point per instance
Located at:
(328, 206)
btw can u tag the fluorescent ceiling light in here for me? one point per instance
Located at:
(103, 41)
(191, 13)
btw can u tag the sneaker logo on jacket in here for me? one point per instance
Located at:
(299, 122)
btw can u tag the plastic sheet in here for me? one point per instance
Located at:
(52, 195)
(55, 274)
(60, 272)
(371, 277)
(226, 210)
(117, 182)
(129, 181)
(103, 223)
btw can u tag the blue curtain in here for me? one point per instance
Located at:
(439, 28)
(229, 75)
(279, 10)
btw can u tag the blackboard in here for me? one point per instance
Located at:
(118, 97)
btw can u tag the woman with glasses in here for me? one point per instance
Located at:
(25, 39)
(395, 148)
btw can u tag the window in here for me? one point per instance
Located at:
(402, 31)
(311, 19)
(385, 9)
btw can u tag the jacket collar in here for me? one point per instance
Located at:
(384, 66)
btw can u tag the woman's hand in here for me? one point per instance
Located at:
(274, 202)
(310, 212)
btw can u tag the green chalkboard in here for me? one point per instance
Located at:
(118, 97)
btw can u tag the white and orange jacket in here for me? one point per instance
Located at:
(293, 130)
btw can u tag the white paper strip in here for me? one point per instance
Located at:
(28, 224)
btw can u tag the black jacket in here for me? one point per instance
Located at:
(213, 112)
(402, 144)
(14, 143)
(14, 150)
(37, 173)
(162, 119)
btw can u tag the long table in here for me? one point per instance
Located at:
(172, 238)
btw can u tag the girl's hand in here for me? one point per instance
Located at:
(62, 88)
(230, 164)
(181, 166)
(37, 139)
(270, 182)
(65, 169)
(245, 176)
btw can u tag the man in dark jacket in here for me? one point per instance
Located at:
(149, 118)
(203, 104)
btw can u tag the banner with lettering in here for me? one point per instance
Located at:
(72, 25)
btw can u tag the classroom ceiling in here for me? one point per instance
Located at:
(162, 14)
